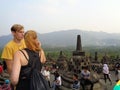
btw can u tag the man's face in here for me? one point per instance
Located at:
(19, 35)
(85, 70)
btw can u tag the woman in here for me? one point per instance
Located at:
(106, 73)
(28, 63)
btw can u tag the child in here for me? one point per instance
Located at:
(76, 82)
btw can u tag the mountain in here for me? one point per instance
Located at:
(88, 38)
(67, 38)
(4, 39)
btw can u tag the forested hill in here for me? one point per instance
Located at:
(67, 38)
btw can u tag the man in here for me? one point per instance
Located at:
(12, 46)
(85, 78)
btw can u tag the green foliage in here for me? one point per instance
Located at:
(55, 52)
(111, 51)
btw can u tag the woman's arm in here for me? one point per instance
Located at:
(14, 77)
(42, 55)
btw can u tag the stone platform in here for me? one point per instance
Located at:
(100, 85)
(67, 81)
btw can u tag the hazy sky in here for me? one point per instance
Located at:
(53, 15)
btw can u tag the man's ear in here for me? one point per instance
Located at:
(13, 33)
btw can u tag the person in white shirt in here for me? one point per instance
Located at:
(46, 73)
(106, 73)
(57, 82)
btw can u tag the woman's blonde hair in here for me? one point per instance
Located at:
(30, 40)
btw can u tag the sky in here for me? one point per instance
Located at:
(46, 16)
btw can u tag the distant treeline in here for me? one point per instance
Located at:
(54, 52)
(110, 51)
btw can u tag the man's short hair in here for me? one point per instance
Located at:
(16, 27)
(76, 75)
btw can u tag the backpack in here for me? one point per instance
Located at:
(37, 80)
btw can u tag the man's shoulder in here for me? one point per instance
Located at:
(9, 44)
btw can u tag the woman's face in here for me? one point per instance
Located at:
(37, 43)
